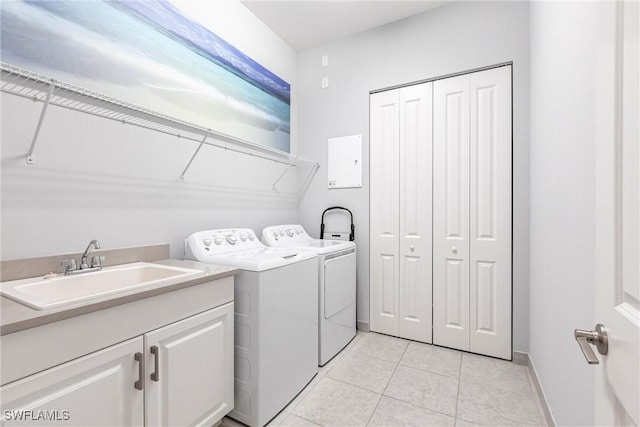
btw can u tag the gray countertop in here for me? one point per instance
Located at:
(16, 317)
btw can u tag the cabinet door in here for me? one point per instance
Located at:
(94, 390)
(451, 212)
(384, 208)
(190, 370)
(415, 212)
(490, 212)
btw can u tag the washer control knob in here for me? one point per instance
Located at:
(251, 237)
(207, 242)
(275, 234)
(217, 240)
(281, 233)
(243, 237)
(298, 231)
(231, 239)
(290, 232)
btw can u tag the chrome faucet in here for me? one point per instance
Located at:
(96, 262)
(83, 262)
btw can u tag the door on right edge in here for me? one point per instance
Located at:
(617, 270)
(472, 209)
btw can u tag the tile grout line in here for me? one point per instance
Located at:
(391, 397)
(353, 385)
(320, 377)
(327, 369)
(430, 372)
(306, 391)
(455, 413)
(306, 419)
(420, 407)
(350, 350)
(399, 363)
(385, 387)
(461, 354)
(507, 417)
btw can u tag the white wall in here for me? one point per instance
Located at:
(453, 38)
(95, 178)
(562, 203)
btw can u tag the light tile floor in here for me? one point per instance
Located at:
(378, 380)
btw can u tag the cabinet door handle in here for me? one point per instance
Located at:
(139, 385)
(155, 375)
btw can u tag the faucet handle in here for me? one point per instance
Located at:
(69, 265)
(97, 261)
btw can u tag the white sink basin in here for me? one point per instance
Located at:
(58, 290)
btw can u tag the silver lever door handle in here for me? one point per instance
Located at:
(598, 338)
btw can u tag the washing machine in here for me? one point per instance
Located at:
(276, 319)
(336, 282)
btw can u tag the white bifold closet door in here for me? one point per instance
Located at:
(400, 216)
(472, 212)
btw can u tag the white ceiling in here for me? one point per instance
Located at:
(308, 23)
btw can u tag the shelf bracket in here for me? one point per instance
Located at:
(30, 159)
(307, 181)
(284, 172)
(195, 153)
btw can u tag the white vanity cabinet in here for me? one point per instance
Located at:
(190, 370)
(161, 361)
(97, 389)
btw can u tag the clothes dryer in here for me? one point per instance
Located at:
(336, 284)
(276, 319)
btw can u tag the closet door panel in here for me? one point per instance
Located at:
(415, 212)
(384, 211)
(451, 212)
(454, 289)
(490, 210)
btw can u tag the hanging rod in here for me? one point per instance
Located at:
(38, 87)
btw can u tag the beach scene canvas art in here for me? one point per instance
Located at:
(151, 54)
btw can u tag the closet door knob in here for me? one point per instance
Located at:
(454, 249)
(412, 248)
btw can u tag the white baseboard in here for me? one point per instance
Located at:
(524, 360)
(521, 359)
(362, 325)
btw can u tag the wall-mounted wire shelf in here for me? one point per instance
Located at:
(28, 84)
